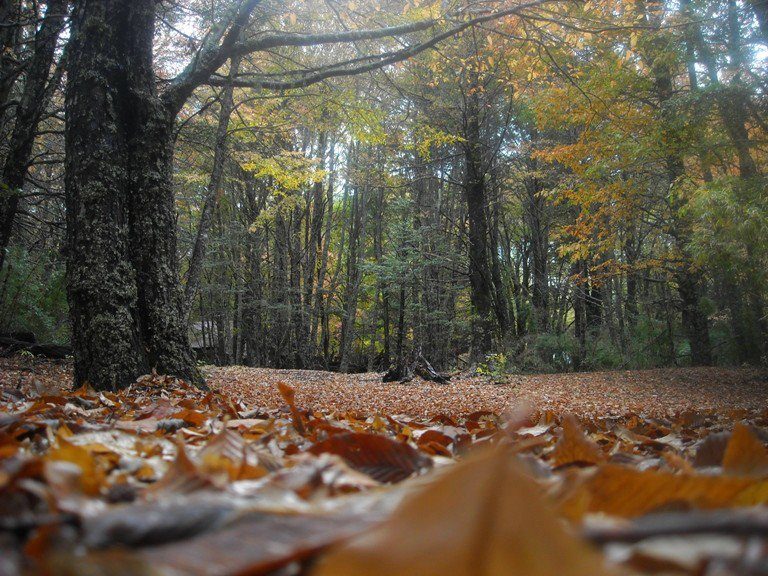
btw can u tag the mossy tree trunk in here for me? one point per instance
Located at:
(123, 286)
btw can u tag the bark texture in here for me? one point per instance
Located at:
(123, 287)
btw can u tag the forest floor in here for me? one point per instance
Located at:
(660, 392)
(654, 393)
(322, 474)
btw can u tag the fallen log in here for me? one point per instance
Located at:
(24, 336)
(10, 346)
(419, 367)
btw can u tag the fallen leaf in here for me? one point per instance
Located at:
(620, 491)
(380, 457)
(574, 447)
(745, 453)
(289, 395)
(482, 517)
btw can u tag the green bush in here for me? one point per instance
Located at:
(33, 295)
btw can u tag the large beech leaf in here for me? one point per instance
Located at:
(745, 453)
(380, 457)
(621, 491)
(574, 447)
(482, 517)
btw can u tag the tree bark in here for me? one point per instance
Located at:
(10, 14)
(760, 7)
(358, 222)
(123, 287)
(689, 280)
(539, 235)
(479, 273)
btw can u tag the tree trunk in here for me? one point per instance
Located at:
(319, 310)
(500, 303)
(479, 273)
(34, 99)
(539, 235)
(358, 221)
(123, 287)
(252, 306)
(760, 7)
(689, 280)
(213, 192)
(314, 246)
(10, 16)
(579, 315)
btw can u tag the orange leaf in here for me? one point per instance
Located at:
(289, 395)
(745, 453)
(481, 517)
(574, 447)
(92, 476)
(620, 491)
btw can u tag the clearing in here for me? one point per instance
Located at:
(658, 392)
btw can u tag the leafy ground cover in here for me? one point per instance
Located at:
(280, 472)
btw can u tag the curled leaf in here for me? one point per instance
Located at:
(381, 458)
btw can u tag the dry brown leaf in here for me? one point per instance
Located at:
(481, 517)
(257, 544)
(745, 453)
(620, 491)
(289, 395)
(382, 458)
(91, 475)
(574, 447)
(182, 477)
(711, 450)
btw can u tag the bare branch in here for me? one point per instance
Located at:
(376, 60)
(216, 49)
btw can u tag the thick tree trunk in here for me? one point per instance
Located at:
(123, 286)
(102, 289)
(34, 99)
(481, 295)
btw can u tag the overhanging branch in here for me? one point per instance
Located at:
(375, 61)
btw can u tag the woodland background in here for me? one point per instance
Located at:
(581, 188)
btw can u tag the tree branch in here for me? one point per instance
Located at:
(379, 60)
(215, 50)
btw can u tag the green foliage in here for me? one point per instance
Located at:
(545, 353)
(494, 366)
(34, 295)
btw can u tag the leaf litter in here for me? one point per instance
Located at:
(163, 478)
